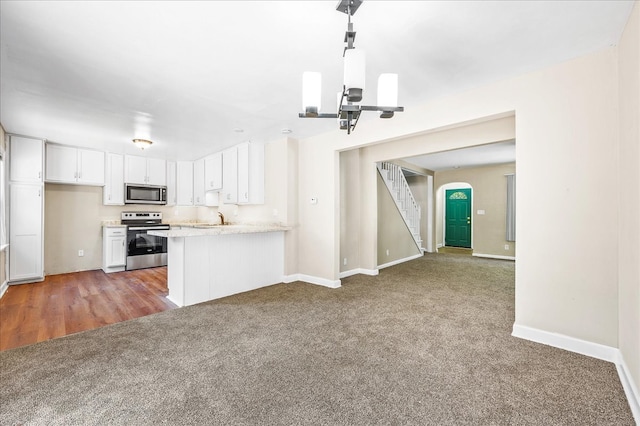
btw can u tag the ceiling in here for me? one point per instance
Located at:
(197, 77)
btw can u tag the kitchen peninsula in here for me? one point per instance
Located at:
(213, 261)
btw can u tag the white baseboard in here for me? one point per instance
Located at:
(594, 350)
(312, 280)
(396, 262)
(494, 256)
(371, 272)
(3, 288)
(630, 388)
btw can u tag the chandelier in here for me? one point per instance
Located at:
(348, 105)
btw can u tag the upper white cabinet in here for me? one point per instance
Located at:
(243, 174)
(250, 173)
(198, 182)
(230, 175)
(27, 159)
(213, 172)
(67, 164)
(26, 209)
(113, 191)
(171, 183)
(184, 183)
(145, 171)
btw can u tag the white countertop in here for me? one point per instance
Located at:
(207, 230)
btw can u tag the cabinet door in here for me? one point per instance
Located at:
(61, 164)
(243, 173)
(25, 237)
(251, 173)
(171, 183)
(90, 167)
(230, 175)
(184, 183)
(156, 171)
(198, 182)
(116, 251)
(113, 192)
(135, 169)
(213, 172)
(26, 159)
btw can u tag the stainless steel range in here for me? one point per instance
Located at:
(144, 250)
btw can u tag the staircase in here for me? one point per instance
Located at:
(401, 193)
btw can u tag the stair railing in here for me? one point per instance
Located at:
(403, 196)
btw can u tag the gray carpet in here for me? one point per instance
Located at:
(426, 342)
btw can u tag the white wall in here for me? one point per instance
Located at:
(629, 184)
(566, 131)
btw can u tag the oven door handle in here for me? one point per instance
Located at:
(148, 228)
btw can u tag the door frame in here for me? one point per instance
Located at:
(442, 209)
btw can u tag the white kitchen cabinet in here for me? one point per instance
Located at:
(68, 164)
(250, 173)
(156, 171)
(198, 182)
(26, 210)
(171, 183)
(230, 175)
(26, 248)
(114, 250)
(27, 159)
(184, 183)
(145, 171)
(213, 172)
(113, 191)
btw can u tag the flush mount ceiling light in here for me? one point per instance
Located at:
(142, 143)
(348, 100)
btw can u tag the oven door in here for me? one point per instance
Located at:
(144, 250)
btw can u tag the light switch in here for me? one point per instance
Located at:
(480, 212)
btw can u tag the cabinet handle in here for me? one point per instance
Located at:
(39, 175)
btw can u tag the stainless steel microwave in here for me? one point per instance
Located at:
(144, 194)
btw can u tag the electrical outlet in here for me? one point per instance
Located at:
(344, 262)
(387, 252)
(506, 246)
(80, 253)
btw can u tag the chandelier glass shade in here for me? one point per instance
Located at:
(348, 100)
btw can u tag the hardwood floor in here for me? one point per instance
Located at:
(68, 303)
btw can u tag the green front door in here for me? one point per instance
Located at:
(457, 231)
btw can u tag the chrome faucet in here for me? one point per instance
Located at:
(221, 218)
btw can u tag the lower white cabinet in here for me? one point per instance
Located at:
(114, 248)
(26, 248)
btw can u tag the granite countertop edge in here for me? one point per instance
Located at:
(220, 230)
